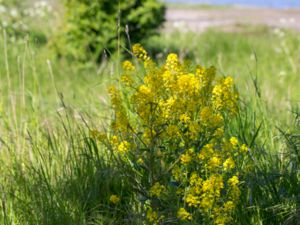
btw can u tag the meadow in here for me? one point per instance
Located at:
(54, 171)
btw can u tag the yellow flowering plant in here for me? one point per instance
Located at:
(168, 132)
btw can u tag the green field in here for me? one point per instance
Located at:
(53, 173)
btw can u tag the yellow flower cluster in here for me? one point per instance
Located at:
(223, 96)
(114, 199)
(123, 147)
(140, 52)
(127, 65)
(171, 123)
(182, 214)
(157, 190)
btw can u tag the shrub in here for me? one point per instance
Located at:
(169, 133)
(91, 26)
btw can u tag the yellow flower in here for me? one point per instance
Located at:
(127, 65)
(114, 199)
(182, 214)
(140, 52)
(140, 161)
(157, 190)
(206, 203)
(188, 83)
(152, 216)
(176, 172)
(229, 206)
(234, 141)
(172, 62)
(164, 109)
(228, 81)
(214, 162)
(126, 79)
(219, 132)
(233, 181)
(114, 140)
(244, 148)
(185, 158)
(184, 118)
(228, 164)
(192, 200)
(123, 147)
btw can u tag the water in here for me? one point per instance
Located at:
(261, 3)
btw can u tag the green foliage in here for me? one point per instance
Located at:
(93, 28)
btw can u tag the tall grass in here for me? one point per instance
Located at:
(53, 172)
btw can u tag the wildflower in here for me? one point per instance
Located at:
(182, 214)
(228, 206)
(176, 173)
(217, 97)
(234, 141)
(233, 181)
(140, 52)
(140, 161)
(184, 118)
(192, 200)
(152, 216)
(228, 81)
(172, 130)
(123, 147)
(188, 83)
(114, 199)
(228, 164)
(206, 203)
(244, 148)
(185, 158)
(126, 79)
(219, 132)
(127, 65)
(157, 190)
(143, 89)
(214, 162)
(172, 63)
(174, 108)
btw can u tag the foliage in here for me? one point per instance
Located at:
(94, 29)
(169, 135)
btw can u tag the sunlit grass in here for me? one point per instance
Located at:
(53, 173)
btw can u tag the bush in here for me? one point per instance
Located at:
(169, 133)
(91, 26)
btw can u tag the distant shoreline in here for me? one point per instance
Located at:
(227, 5)
(222, 6)
(230, 18)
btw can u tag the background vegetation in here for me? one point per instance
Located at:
(95, 29)
(54, 172)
